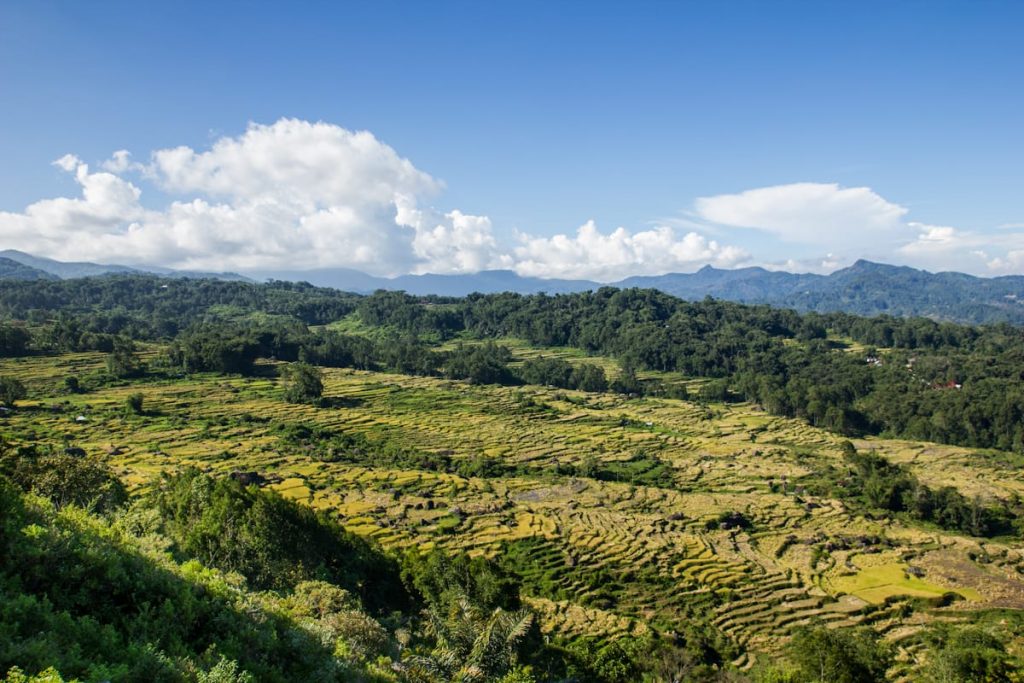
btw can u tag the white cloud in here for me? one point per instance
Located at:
(1010, 264)
(946, 248)
(454, 242)
(809, 213)
(292, 195)
(592, 254)
(821, 265)
(70, 226)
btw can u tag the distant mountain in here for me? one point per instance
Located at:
(865, 288)
(12, 270)
(741, 284)
(66, 270)
(485, 282)
(868, 288)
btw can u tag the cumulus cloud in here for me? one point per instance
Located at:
(297, 195)
(63, 225)
(948, 248)
(1009, 264)
(592, 254)
(453, 242)
(808, 213)
(293, 194)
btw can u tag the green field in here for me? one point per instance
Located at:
(635, 546)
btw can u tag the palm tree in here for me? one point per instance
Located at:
(472, 646)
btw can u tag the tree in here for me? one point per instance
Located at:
(969, 656)
(839, 655)
(13, 341)
(67, 480)
(122, 361)
(303, 383)
(471, 644)
(589, 377)
(11, 390)
(134, 403)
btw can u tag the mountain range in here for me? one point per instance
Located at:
(865, 288)
(40, 268)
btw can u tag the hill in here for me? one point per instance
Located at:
(65, 270)
(865, 288)
(12, 270)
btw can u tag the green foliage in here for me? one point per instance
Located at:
(471, 644)
(79, 595)
(122, 362)
(65, 479)
(272, 541)
(135, 402)
(968, 655)
(50, 675)
(480, 364)
(72, 384)
(823, 655)
(875, 483)
(214, 350)
(443, 581)
(14, 341)
(303, 383)
(11, 390)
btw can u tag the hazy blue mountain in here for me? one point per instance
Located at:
(65, 270)
(741, 284)
(12, 270)
(865, 288)
(485, 282)
(488, 282)
(345, 279)
(868, 288)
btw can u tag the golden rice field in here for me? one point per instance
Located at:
(609, 558)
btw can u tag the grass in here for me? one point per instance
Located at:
(882, 582)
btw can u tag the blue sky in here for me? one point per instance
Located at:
(789, 134)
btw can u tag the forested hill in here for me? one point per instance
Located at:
(865, 288)
(913, 378)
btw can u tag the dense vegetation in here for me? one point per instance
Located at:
(100, 599)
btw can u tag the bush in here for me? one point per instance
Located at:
(839, 655)
(67, 480)
(134, 403)
(11, 390)
(303, 383)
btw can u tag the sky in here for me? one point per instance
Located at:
(557, 139)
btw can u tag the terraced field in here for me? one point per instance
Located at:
(618, 552)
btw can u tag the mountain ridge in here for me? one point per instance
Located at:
(65, 270)
(862, 288)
